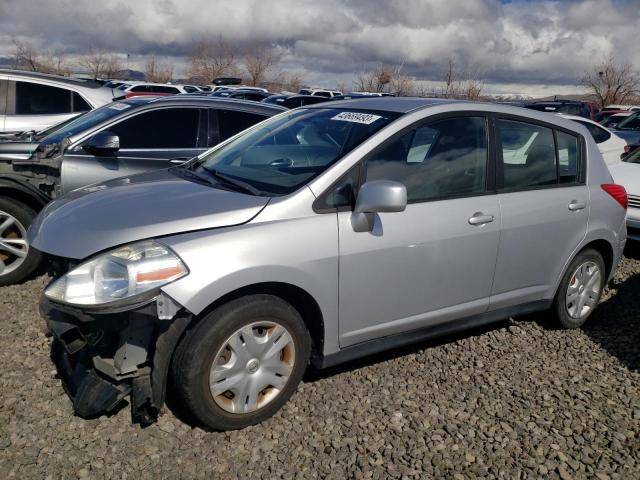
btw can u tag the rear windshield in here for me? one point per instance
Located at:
(285, 152)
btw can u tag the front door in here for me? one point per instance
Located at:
(435, 261)
(148, 141)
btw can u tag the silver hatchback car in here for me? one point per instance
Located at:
(320, 235)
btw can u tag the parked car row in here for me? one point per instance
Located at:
(122, 138)
(217, 245)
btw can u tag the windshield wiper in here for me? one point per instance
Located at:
(247, 187)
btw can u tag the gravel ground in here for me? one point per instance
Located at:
(516, 400)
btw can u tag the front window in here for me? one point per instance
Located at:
(85, 121)
(280, 155)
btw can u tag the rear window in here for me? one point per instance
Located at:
(37, 99)
(532, 158)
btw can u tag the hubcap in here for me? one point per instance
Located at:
(13, 243)
(252, 367)
(584, 290)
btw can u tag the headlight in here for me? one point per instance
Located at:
(125, 275)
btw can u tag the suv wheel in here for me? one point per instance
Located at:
(17, 260)
(580, 289)
(242, 362)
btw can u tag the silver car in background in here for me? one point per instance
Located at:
(321, 235)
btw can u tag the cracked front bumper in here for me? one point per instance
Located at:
(105, 358)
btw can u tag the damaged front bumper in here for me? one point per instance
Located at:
(104, 357)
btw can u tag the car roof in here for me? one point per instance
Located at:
(206, 101)
(78, 82)
(387, 104)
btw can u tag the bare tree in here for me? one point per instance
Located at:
(258, 64)
(385, 79)
(289, 82)
(26, 57)
(102, 64)
(208, 60)
(158, 72)
(56, 63)
(612, 82)
(460, 83)
(376, 81)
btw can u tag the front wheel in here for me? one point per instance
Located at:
(17, 260)
(242, 362)
(580, 289)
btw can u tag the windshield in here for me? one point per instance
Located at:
(632, 122)
(85, 121)
(281, 154)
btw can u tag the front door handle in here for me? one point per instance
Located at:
(575, 205)
(480, 218)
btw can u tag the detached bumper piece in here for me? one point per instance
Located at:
(103, 358)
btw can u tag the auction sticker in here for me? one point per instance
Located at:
(356, 117)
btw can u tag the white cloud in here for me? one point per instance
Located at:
(534, 43)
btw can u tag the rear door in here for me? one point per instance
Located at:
(150, 140)
(545, 208)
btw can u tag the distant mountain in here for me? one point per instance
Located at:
(6, 62)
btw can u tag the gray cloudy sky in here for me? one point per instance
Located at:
(518, 46)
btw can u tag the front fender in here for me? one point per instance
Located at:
(302, 252)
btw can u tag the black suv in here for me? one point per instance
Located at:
(118, 139)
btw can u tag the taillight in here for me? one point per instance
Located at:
(627, 148)
(617, 192)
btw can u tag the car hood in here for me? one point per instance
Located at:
(127, 209)
(632, 137)
(627, 175)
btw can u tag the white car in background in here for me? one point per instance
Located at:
(627, 174)
(31, 101)
(610, 145)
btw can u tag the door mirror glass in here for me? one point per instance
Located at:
(102, 144)
(376, 197)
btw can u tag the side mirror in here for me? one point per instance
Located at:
(376, 197)
(102, 143)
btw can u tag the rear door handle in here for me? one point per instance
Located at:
(480, 218)
(575, 205)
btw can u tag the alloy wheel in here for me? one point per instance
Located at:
(252, 367)
(13, 243)
(583, 290)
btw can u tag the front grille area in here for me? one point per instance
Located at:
(634, 201)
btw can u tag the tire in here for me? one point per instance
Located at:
(211, 339)
(568, 312)
(12, 268)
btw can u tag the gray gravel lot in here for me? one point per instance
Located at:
(516, 400)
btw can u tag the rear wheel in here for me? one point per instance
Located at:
(17, 260)
(242, 362)
(580, 289)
